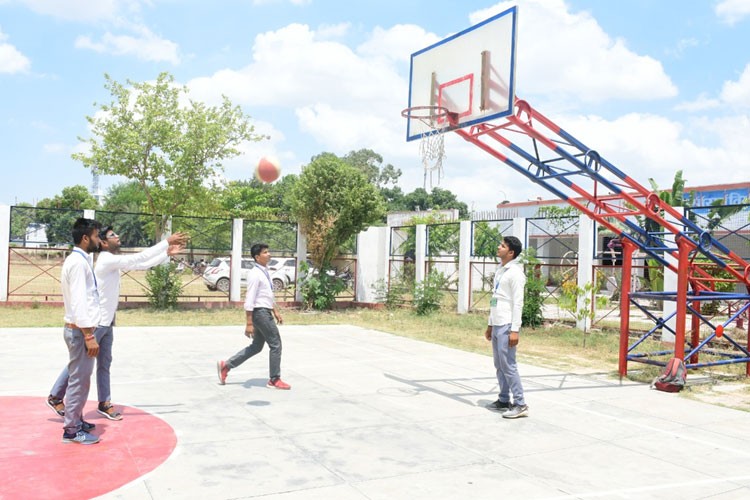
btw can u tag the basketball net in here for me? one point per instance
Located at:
(432, 143)
(432, 149)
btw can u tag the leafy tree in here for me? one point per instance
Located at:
(62, 211)
(21, 216)
(123, 209)
(437, 199)
(174, 151)
(332, 201)
(486, 239)
(371, 164)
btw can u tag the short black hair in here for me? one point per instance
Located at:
(256, 249)
(84, 227)
(104, 231)
(513, 244)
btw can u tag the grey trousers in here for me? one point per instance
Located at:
(80, 367)
(105, 337)
(505, 366)
(266, 331)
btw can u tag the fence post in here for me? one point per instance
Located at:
(586, 239)
(372, 261)
(4, 251)
(235, 269)
(301, 256)
(464, 267)
(420, 253)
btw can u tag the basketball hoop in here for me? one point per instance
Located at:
(436, 119)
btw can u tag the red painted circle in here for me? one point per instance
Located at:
(35, 463)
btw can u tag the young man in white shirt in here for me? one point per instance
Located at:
(108, 268)
(82, 317)
(506, 309)
(260, 311)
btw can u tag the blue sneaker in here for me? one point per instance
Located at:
(87, 426)
(80, 437)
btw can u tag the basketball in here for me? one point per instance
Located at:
(268, 169)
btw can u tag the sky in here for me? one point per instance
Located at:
(654, 86)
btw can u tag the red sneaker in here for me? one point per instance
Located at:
(223, 370)
(277, 383)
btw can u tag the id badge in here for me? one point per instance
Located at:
(493, 302)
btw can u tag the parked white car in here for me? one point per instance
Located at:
(216, 275)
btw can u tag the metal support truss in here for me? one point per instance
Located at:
(547, 155)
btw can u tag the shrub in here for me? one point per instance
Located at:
(319, 288)
(533, 294)
(164, 286)
(428, 294)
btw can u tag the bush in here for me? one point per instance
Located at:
(533, 294)
(319, 289)
(164, 286)
(391, 296)
(428, 294)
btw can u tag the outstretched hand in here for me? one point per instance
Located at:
(175, 249)
(178, 239)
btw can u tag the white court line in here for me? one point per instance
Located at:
(675, 434)
(625, 492)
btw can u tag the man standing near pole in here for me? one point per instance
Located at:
(506, 309)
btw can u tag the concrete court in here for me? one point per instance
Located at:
(377, 416)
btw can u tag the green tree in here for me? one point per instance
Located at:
(174, 151)
(437, 199)
(21, 217)
(371, 164)
(62, 210)
(332, 201)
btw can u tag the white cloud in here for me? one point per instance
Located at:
(87, 11)
(11, 59)
(564, 54)
(145, 46)
(732, 11)
(738, 93)
(396, 43)
(702, 103)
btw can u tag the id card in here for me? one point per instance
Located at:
(493, 302)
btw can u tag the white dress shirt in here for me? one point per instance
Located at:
(79, 291)
(108, 268)
(507, 295)
(259, 289)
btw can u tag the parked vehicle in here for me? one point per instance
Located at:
(216, 276)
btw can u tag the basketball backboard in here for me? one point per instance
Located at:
(471, 73)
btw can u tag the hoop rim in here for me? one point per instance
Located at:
(425, 112)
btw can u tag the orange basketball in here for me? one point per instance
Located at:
(268, 169)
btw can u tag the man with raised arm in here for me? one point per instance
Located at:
(109, 266)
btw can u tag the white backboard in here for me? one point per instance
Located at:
(471, 73)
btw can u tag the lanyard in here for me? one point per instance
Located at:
(268, 277)
(82, 254)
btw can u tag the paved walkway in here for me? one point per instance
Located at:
(370, 416)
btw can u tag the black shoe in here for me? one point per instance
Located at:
(501, 406)
(87, 426)
(56, 405)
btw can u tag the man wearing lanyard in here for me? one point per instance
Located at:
(260, 311)
(82, 315)
(506, 309)
(109, 265)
